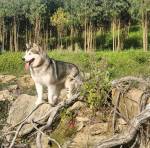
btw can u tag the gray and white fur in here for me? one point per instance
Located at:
(55, 75)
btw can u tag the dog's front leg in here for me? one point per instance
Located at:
(52, 95)
(39, 89)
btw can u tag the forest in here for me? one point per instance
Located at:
(88, 25)
(101, 51)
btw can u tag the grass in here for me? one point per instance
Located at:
(120, 64)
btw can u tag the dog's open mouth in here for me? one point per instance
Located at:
(27, 64)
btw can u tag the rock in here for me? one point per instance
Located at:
(26, 81)
(84, 138)
(21, 108)
(98, 128)
(6, 78)
(10, 93)
(76, 106)
(82, 119)
(5, 95)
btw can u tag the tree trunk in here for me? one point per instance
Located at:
(118, 45)
(145, 31)
(144, 26)
(88, 37)
(72, 38)
(37, 29)
(15, 34)
(113, 33)
(26, 33)
(46, 39)
(11, 40)
(85, 35)
(3, 34)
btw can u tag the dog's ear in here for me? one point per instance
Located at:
(37, 47)
(27, 46)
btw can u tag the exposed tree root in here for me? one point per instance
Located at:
(44, 122)
(123, 85)
(130, 134)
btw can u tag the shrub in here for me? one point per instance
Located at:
(98, 86)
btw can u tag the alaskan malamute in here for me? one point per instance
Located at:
(55, 75)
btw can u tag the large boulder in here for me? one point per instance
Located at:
(21, 108)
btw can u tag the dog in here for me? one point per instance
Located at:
(53, 74)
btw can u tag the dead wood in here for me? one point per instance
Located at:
(129, 78)
(44, 122)
(130, 134)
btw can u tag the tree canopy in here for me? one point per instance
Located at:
(90, 24)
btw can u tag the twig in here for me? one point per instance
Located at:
(16, 134)
(35, 108)
(51, 139)
(54, 111)
(125, 138)
(8, 133)
(115, 110)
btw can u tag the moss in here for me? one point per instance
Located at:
(64, 131)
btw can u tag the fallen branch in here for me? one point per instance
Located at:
(130, 78)
(34, 109)
(16, 134)
(49, 138)
(54, 112)
(45, 122)
(130, 134)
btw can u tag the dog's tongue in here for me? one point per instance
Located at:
(27, 66)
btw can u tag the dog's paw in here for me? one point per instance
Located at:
(53, 101)
(38, 102)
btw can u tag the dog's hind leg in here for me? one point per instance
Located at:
(52, 95)
(39, 89)
(69, 86)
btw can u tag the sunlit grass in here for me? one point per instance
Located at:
(119, 63)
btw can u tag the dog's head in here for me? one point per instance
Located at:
(34, 56)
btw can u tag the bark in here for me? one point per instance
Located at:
(130, 134)
(27, 33)
(145, 31)
(72, 38)
(46, 121)
(37, 29)
(113, 33)
(118, 44)
(46, 39)
(85, 35)
(144, 26)
(1, 30)
(15, 34)
(11, 40)
(3, 34)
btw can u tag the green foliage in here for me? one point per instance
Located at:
(11, 63)
(134, 39)
(98, 86)
(60, 19)
(118, 64)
